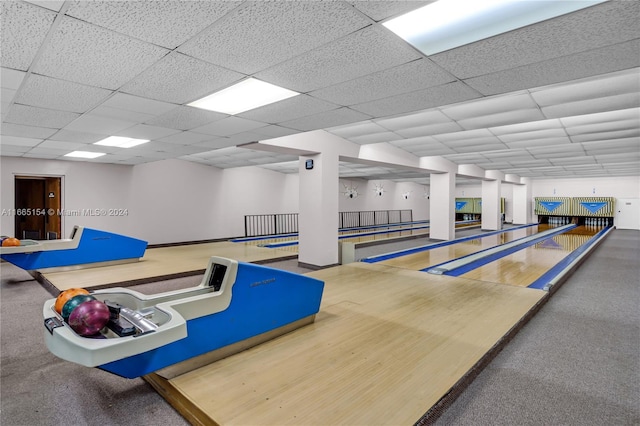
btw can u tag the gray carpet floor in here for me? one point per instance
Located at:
(575, 363)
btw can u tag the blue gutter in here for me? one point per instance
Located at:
(266, 237)
(392, 255)
(456, 272)
(548, 278)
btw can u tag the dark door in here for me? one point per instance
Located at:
(37, 201)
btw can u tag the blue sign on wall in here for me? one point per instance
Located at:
(460, 204)
(593, 207)
(551, 205)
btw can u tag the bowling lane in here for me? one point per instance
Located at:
(424, 259)
(527, 265)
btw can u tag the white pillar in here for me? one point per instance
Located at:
(522, 202)
(442, 206)
(491, 215)
(318, 218)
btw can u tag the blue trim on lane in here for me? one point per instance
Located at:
(456, 272)
(382, 257)
(555, 271)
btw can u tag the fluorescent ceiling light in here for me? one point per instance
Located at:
(85, 154)
(121, 141)
(446, 24)
(241, 97)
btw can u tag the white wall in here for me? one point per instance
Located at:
(254, 190)
(84, 186)
(175, 200)
(392, 198)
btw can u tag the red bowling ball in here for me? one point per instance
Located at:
(89, 317)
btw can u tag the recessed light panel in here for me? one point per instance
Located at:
(244, 96)
(121, 141)
(85, 154)
(446, 24)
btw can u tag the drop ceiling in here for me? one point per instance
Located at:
(560, 98)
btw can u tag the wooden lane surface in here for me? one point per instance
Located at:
(162, 262)
(386, 345)
(424, 259)
(527, 265)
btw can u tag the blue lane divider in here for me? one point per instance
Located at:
(456, 272)
(342, 237)
(557, 270)
(393, 255)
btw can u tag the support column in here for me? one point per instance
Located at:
(522, 202)
(491, 215)
(318, 218)
(442, 206)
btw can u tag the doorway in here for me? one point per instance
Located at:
(628, 216)
(38, 207)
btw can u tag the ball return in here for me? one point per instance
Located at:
(86, 247)
(237, 305)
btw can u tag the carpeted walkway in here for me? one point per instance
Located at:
(576, 362)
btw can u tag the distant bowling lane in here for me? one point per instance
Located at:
(527, 265)
(424, 259)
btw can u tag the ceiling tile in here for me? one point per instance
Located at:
(289, 109)
(122, 114)
(610, 103)
(502, 118)
(17, 141)
(423, 118)
(228, 126)
(405, 78)
(379, 10)
(274, 131)
(185, 118)
(262, 34)
(24, 28)
(153, 21)
(190, 79)
(632, 114)
(603, 136)
(49, 4)
(364, 52)
(619, 83)
(11, 79)
(185, 138)
(41, 117)
(598, 61)
(58, 94)
(375, 138)
(435, 96)
(10, 129)
(87, 54)
(532, 135)
(598, 26)
(73, 136)
(336, 117)
(143, 131)
(546, 141)
(433, 129)
(357, 129)
(91, 123)
(138, 104)
(68, 146)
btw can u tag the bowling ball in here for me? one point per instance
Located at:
(10, 242)
(73, 303)
(66, 295)
(89, 317)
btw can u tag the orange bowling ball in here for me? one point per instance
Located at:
(10, 242)
(66, 295)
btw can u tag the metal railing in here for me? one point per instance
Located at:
(287, 223)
